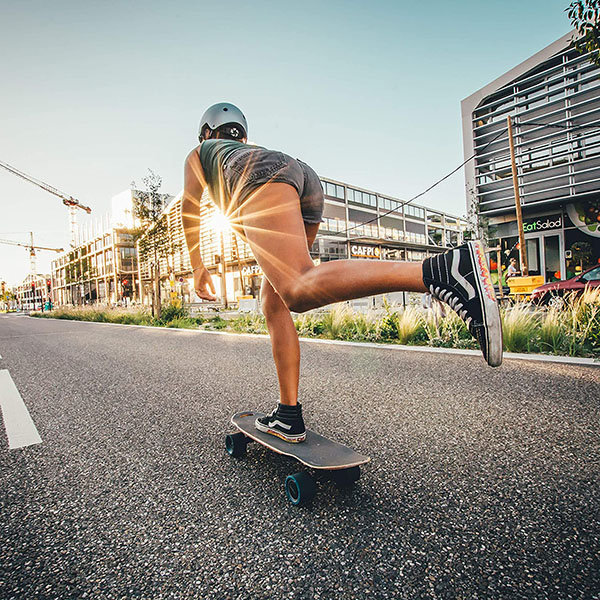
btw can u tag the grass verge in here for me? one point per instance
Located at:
(568, 328)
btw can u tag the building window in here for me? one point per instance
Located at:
(362, 197)
(436, 236)
(415, 255)
(330, 224)
(414, 211)
(452, 238)
(125, 238)
(333, 190)
(387, 204)
(331, 249)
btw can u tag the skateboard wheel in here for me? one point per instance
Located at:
(299, 488)
(235, 444)
(346, 477)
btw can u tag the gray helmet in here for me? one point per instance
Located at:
(220, 114)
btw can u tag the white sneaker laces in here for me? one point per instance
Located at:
(452, 301)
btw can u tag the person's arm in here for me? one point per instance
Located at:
(193, 188)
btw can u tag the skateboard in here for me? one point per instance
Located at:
(340, 462)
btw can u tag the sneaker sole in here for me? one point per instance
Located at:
(489, 306)
(292, 439)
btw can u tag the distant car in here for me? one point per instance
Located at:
(544, 293)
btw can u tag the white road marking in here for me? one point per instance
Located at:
(20, 428)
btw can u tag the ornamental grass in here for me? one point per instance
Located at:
(519, 325)
(569, 326)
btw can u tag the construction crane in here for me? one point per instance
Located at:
(32, 249)
(68, 201)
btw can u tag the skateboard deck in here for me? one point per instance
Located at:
(316, 451)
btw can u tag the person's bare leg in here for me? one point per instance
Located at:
(272, 224)
(284, 337)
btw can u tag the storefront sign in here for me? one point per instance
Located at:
(251, 270)
(365, 251)
(542, 223)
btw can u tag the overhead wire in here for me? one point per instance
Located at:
(401, 204)
(481, 150)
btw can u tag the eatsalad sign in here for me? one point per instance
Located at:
(542, 223)
(365, 251)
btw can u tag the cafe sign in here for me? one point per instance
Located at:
(365, 251)
(542, 224)
(251, 270)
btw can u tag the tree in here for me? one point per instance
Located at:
(153, 237)
(585, 17)
(6, 296)
(479, 224)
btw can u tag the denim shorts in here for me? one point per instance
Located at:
(248, 169)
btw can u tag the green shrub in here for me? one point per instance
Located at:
(387, 328)
(309, 325)
(454, 332)
(251, 323)
(583, 323)
(102, 315)
(363, 328)
(183, 323)
(447, 331)
(404, 325)
(217, 322)
(172, 311)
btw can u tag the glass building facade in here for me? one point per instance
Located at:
(355, 225)
(359, 223)
(553, 99)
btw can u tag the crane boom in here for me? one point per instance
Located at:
(12, 243)
(67, 200)
(31, 249)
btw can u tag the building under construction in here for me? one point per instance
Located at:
(102, 267)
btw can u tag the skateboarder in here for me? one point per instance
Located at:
(276, 203)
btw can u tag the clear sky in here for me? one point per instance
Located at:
(368, 92)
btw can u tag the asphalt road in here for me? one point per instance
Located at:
(484, 483)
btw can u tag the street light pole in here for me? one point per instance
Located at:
(239, 264)
(511, 143)
(223, 271)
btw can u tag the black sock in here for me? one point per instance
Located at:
(292, 411)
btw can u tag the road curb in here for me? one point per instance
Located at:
(547, 358)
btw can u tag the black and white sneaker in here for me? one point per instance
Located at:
(285, 422)
(461, 279)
